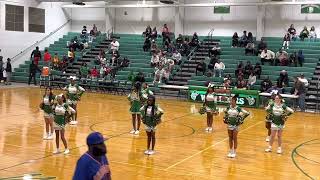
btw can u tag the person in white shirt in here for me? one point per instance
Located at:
(219, 68)
(154, 60)
(267, 56)
(303, 80)
(114, 45)
(251, 80)
(176, 56)
(313, 34)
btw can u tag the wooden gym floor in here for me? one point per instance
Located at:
(184, 150)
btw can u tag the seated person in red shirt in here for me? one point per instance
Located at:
(94, 72)
(47, 58)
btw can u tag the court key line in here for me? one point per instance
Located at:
(213, 145)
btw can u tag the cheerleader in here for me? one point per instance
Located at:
(278, 113)
(268, 120)
(234, 116)
(46, 106)
(74, 93)
(145, 92)
(134, 98)
(210, 104)
(151, 117)
(61, 113)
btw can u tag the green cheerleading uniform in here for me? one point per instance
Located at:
(211, 102)
(47, 106)
(145, 93)
(74, 92)
(134, 98)
(60, 112)
(234, 116)
(277, 115)
(151, 120)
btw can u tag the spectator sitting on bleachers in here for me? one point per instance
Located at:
(125, 62)
(147, 44)
(64, 63)
(286, 41)
(293, 59)
(46, 57)
(176, 56)
(213, 61)
(148, 31)
(275, 89)
(219, 69)
(84, 32)
(154, 33)
(71, 55)
(84, 44)
(251, 80)
(235, 40)
(240, 69)
(282, 58)
(94, 72)
(158, 74)
(179, 40)
(248, 69)
(313, 34)
(36, 56)
(114, 45)
(101, 58)
(166, 43)
(55, 61)
(250, 38)
(265, 85)
(114, 57)
(300, 58)
(243, 39)
(165, 32)
(91, 36)
(262, 45)
(292, 31)
(195, 40)
(154, 47)
(84, 70)
(250, 50)
(154, 60)
(75, 44)
(95, 30)
(283, 80)
(241, 83)
(303, 80)
(102, 71)
(267, 56)
(215, 51)
(304, 33)
(201, 66)
(257, 70)
(185, 48)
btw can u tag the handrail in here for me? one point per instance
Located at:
(110, 32)
(210, 35)
(37, 42)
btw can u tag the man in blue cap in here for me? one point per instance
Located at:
(93, 165)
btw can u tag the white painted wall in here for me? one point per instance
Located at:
(11, 43)
(87, 17)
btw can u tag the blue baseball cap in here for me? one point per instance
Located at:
(95, 138)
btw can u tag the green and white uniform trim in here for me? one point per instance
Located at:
(277, 114)
(74, 92)
(151, 120)
(211, 102)
(47, 106)
(234, 116)
(60, 112)
(134, 98)
(145, 93)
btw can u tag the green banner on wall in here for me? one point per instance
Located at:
(221, 10)
(310, 8)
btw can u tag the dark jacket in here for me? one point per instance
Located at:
(9, 67)
(33, 68)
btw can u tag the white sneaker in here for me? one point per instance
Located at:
(67, 151)
(71, 123)
(50, 137)
(75, 122)
(45, 137)
(269, 149)
(57, 151)
(233, 155)
(267, 138)
(229, 154)
(279, 151)
(151, 152)
(210, 129)
(132, 131)
(207, 129)
(146, 152)
(137, 132)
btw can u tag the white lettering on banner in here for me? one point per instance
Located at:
(194, 95)
(240, 101)
(203, 97)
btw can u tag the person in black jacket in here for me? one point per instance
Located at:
(8, 71)
(265, 85)
(33, 69)
(1, 68)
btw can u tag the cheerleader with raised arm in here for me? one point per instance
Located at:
(145, 93)
(61, 113)
(209, 107)
(134, 97)
(74, 93)
(47, 105)
(234, 117)
(151, 117)
(278, 113)
(268, 120)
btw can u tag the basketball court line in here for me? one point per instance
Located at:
(213, 145)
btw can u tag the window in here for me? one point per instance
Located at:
(36, 20)
(14, 18)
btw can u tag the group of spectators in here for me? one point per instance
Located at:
(5, 71)
(282, 58)
(163, 65)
